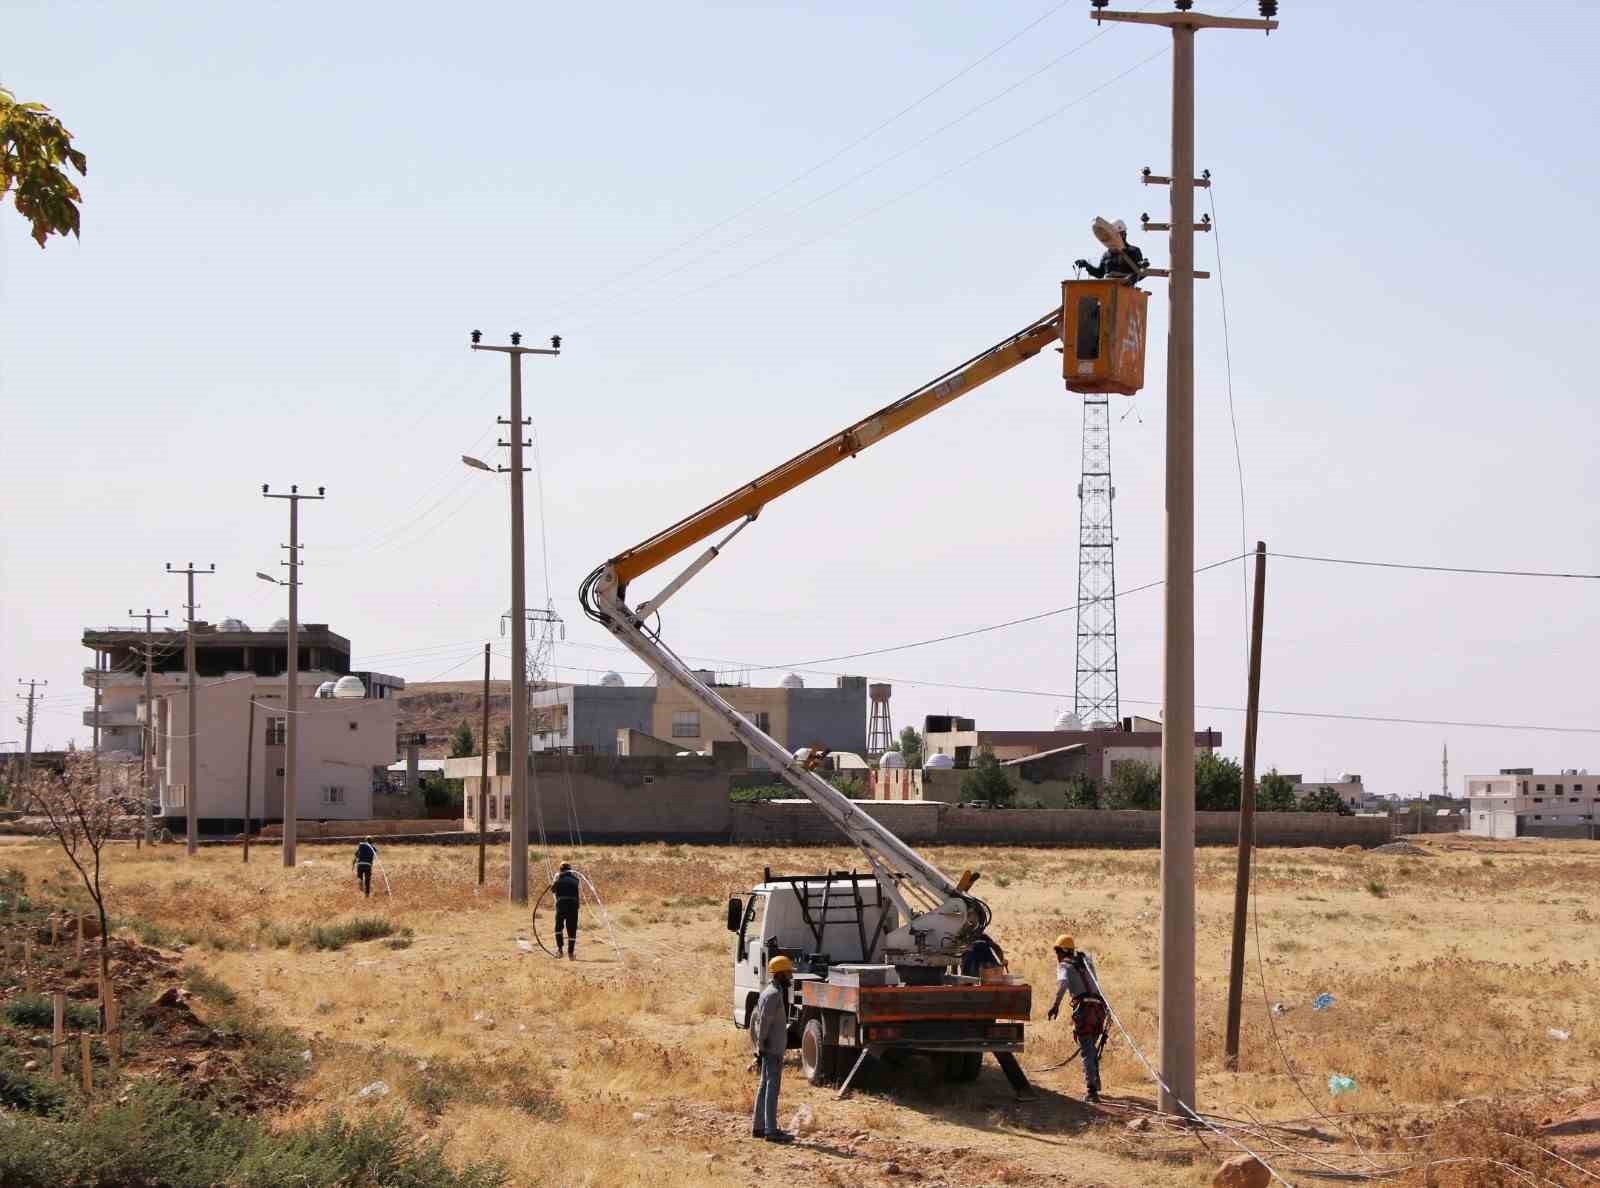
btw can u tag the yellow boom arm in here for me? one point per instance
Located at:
(753, 496)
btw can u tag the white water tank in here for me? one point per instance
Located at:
(279, 625)
(349, 688)
(234, 625)
(1067, 720)
(612, 680)
(325, 690)
(792, 681)
(891, 759)
(940, 761)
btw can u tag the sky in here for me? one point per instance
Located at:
(753, 224)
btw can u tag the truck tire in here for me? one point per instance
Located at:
(818, 1058)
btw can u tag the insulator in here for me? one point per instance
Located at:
(477, 337)
(1183, 5)
(1269, 8)
(516, 338)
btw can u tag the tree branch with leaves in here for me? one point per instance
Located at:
(83, 821)
(35, 153)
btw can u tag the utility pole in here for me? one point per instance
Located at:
(291, 696)
(1177, 1014)
(483, 773)
(1247, 814)
(249, 769)
(147, 758)
(191, 815)
(27, 724)
(519, 606)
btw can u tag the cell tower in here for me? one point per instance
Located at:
(1444, 772)
(880, 734)
(1095, 698)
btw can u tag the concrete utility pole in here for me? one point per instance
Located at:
(291, 696)
(191, 815)
(1177, 732)
(26, 723)
(147, 756)
(483, 774)
(1247, 814)
(519, 607)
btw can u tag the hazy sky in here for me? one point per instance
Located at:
(294, 215)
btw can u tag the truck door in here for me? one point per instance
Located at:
(749, 962)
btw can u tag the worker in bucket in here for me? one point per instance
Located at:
(1075, 976)
(366, 855)
(769, 1026)
(1127, 266)
(565, 889)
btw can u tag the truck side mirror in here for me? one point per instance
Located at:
(735, 914)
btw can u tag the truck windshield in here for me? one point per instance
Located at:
(754, 914)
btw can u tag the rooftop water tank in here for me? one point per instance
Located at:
(612, 680)
(940, 761)
(234, 625)
(349, 688)
(1067, 720)
(891, 759)
(325, 689)
(793, 681)
(279, 625)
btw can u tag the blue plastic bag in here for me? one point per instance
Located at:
(1339, 1085)
(1322, 1002)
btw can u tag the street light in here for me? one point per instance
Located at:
(267, 577)
(476, 464)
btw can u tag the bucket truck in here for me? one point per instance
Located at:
(875, 955)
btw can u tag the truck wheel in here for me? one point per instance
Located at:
(964, 1067)
(817, 1057)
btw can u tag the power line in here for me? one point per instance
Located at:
(898, 198)
(567, 305)
(1532, 573)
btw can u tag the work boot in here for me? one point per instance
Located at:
(760, 1134)
(571, 945)
(1094, 1096)
(779, 1136)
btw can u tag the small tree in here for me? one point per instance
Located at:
(83, 822)
(34, 153)
(1275, 793)
(1216, 783)
(1134, 785)
(910, 746)
(987, 781)
(1325, 800)
(1083, 792)
(462, 741)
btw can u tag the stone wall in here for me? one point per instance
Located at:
(799, 822)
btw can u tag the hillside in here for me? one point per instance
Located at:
(438, 707)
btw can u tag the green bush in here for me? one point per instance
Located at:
(160, 1139)
(362, 928)
(38, 1012)
(28, 1093)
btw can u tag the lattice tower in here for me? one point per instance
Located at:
(1095, 698)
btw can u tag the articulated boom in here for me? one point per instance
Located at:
(940, 919)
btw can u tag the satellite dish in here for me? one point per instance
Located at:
(349, 688)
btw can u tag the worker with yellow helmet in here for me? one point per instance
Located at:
(1075, 976)
(769, 1028)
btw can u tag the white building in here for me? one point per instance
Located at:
(1347, 787)
(344, 742)
(1519, 802)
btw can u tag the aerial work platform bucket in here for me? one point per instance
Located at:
(1102, 336)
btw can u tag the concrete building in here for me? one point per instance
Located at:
(344, 744)
(1519, 802)
(1102, 750)
(1347, 788)
(586, 718)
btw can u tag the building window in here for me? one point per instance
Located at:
(685, 723)
(332, 794)
(355, 725)
(1577, 787)
(472, 807)
(494, 804)
(1538, 787)
(506, 807)
(762, 721)
(649, 779)
(1538, 816)
(275, 731)
(1538, 799)
(1560, 788)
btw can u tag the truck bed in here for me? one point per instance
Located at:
(900, 1004)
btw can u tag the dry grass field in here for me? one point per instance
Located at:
(1449, 972)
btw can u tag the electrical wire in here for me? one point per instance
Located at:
(569, 303)
(1481, 572)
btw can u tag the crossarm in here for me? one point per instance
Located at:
(915, 405)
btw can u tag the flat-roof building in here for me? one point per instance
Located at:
(1519, 802)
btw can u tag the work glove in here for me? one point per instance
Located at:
(1053, 1012)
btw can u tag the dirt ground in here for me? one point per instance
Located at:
(1452, 975)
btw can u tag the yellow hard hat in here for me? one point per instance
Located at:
(780, 964)
(1065, 942)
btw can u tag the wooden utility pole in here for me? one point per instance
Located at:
(483, 777)
(1247, 814)
(27, 724)
(249, 769)
(190, 799)
(1177, 1017)
(148, 758)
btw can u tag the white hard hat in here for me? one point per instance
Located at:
(1122, 228)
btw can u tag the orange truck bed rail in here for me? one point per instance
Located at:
(908, 1004)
